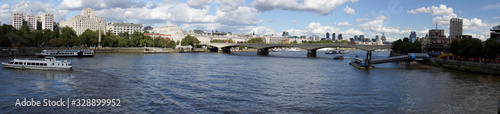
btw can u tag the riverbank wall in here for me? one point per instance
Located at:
(475, 67)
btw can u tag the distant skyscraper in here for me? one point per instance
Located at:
(285, 33)
(333, 36)
(376, 37)
(356, 38)
(413, 36)
(327, 36)
(340, 37)
(456, 25)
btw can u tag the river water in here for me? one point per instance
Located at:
(242, 82)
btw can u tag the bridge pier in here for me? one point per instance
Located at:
(264, 51)
(368, 59)
(226, 49)
(213, 49)
(311, 53)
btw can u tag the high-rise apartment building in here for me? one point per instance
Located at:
(456, 25)
(16, 20)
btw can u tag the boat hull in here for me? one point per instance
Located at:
(36, 67)
(40, 55)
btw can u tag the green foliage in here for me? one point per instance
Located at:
(455, 47)
(89, 37)
(294, 42)
(255, 41)
(404, 46)
(221, 41)
(190, 40)
(490, 48)
(68, 37)
(468, 47)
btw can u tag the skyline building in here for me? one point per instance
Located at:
(456, 26)
(413, 36)
(16, 20)
(40, 22)
(495, 33)
(87, 20)
(176, 31)
(333, 36)
(327, 36)
(117, 27)
(383, 38)
(340, 37)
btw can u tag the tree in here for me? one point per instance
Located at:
(37, 38)
(396, 46)
(68, 37)
(221, 41)
(124, 35)
(294, 42)
(406, 39)
(455, 47)
(490, 48)
(89, 37)
(255, 41)
(471, 48)
(190, 40)
(416, 47)
(136, 38)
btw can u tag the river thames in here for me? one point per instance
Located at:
(242, 82)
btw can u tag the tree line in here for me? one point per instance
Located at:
(24, 37)
(405, 46)
(475, 48)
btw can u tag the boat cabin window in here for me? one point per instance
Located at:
(29, 63)
(11, 62)
(16, 63)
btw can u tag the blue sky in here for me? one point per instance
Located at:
(395, 18)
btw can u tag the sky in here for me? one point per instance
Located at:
(395, 18)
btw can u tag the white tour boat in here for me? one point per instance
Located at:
(49, 63)
(66, 53)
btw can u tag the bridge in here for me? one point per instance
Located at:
(263, 49)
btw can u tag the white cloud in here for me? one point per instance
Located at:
(294, 21)
(441, 10)
(348, 10)
(443, 14)
(322, 7)
(343, 24)
(473, 24)
(498, 17)
(261, 30)
(243, 15)
(377, 26)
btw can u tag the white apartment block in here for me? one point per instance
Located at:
(47, 20)
(116, 28)
(31, 21)
(87, 20)
(16, 20)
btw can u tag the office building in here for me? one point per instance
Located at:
(413, 36)
(40, 22)
(16, 20)
(456, 26)
(340, 37)
(87, 20)
(116, 28)
(495, 33)
(333, 36)
(327, 36)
